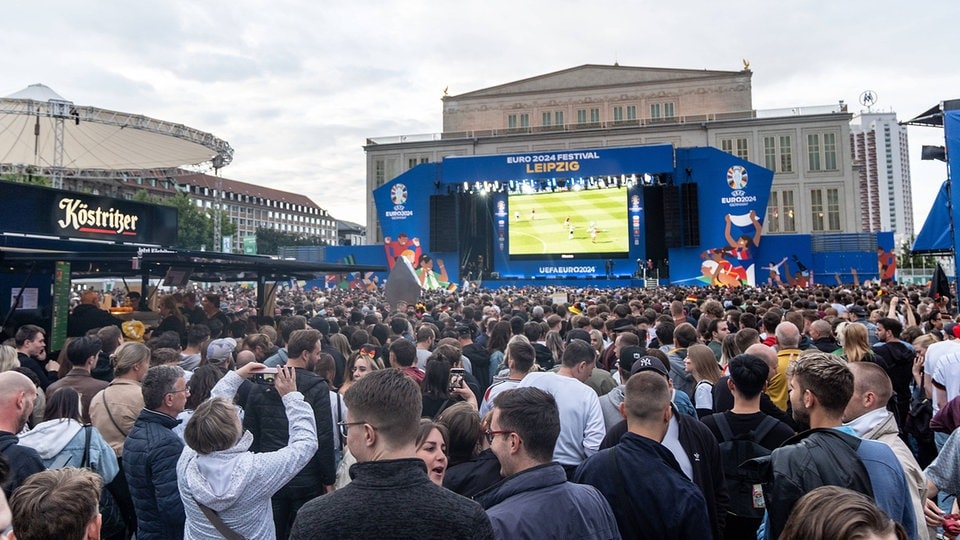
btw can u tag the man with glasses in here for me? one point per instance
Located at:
(150, 455)
(383, 415)
(523, 431)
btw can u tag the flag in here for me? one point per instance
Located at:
(939, 286)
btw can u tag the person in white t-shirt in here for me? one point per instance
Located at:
(520, 359)
(581, 420)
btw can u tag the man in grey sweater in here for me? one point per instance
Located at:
(383, 413)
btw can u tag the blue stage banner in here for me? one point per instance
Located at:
(653, 159)
(403, 205)
(732, 200)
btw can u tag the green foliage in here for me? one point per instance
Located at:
(270, 240)
(26, 177)
(194, 224)
(906, 259)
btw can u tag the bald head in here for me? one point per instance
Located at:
(17, 396)
(244, 357)
(766, 354)
(788, 335)
(820, 329)
(12, 383)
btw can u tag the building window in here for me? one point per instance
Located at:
(581, 116)
(781, 210)
(778, 153)
(558, 118)
(833, 209)
(618, 114)
(822, 152)
(668, 110)
(524, 120)
(411, 163)
(379, 172)
(826, 217)
(654, 110)
(631, 112)
(595, 116)
(736, 146)
(547, 118)
(512, 121)
(773, 213)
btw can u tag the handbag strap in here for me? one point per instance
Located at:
(85, 462)
(218, 523)
(106, 407)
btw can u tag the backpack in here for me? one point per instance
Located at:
(743, 486)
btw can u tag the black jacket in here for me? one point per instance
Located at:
(86, 317)
(473, 476)
(265, 417)
(814, 458)
(826, 344)
(704, 454)
(45, 377)
(150, 457)
(480, 363)
(23, 461)
(544, 356)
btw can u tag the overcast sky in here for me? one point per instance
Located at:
(297, 87)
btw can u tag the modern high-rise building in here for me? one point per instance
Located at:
(878, 146)
(594, 106)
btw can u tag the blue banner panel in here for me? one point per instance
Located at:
(732, 200)
(934, 236)
(653, 159)
(951, 132)
(404, 208)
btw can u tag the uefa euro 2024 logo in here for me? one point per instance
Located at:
(737, 177)
(398, 194)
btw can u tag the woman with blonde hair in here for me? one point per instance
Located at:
(555, 344)
(8, 358)
(359, 364)
(702, 364)
(856, 347)
(115, 408)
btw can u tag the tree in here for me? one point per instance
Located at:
(194, 224)
(269, 241)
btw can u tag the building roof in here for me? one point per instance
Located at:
(244, 188)
(97, 142)
(594, 75)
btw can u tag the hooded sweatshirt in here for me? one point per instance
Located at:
(64, 437)
(237, 483)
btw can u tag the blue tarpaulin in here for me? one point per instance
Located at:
(934, 237)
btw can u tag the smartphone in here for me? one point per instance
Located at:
(264, 376)
(456, 378)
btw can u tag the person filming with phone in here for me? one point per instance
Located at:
(224, 486)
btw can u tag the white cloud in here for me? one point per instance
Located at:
(296, 87)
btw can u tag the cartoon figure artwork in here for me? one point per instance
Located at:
(801, 278)
(732, 265)
(774, 278)
(365, 282)
(887, 264)
(403, 246)
(432, 280)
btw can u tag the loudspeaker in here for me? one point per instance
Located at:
(672, 231)
(443, 224)
(690, 209)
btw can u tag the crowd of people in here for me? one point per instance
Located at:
(539, 412)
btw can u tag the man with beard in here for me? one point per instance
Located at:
(828, 454)
(265, 417)
(17, 395)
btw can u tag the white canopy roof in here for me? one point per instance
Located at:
(98, 142)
